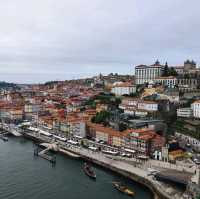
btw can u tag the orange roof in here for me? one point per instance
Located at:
(142, 65)
(146, 137)
(125, 84)
(144, 133)
(176, 152)
(142, 130)
(106, 130)
(197, 101)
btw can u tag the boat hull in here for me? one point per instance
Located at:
(123, 189)
(87, 170)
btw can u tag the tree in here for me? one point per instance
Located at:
(172, 72)
(122, 126)
(166, 70)
(101, 118)
(169, 71)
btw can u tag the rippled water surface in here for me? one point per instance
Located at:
(23, 176)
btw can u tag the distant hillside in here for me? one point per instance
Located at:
(50, 83)
(5, 85)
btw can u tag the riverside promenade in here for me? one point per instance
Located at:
(131, 171)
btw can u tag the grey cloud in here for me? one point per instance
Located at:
(54, 37)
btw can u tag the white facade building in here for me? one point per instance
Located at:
(170, 81)
(15, 114)
(141, 113)
(32, 108)
(196, 109)
(134, 106)
(123, 89)
(77, 128)
(190, 140)
(145, 74)
(185, 112)
(179, 69)
(148, 106)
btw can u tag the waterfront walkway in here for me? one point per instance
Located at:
(140, 171)
(99, 157)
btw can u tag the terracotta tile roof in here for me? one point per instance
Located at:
(124, 84)
(142, 65)
(106, 130)
(196, 102)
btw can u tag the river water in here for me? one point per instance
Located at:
(23, 176)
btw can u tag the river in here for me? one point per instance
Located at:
(23, 176)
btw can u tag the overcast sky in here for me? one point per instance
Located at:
(61, 39)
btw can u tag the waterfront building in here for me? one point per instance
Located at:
(77, 127)
(123, 88)
(143, 141)
(15, 114)
(196, 109)
(63, 126)
(46, 121)
(106, 134)
(185, 112)
(145, 74)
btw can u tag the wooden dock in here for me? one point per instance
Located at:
(43, 154)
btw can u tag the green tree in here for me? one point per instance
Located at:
(122, 126)
(101, 118)
(166, 70)
(172, 72)
(169, 71)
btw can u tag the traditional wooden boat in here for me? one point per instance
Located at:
(88, 171)
(5, 139)
(123, 189)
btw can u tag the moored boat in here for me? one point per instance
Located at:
(5, 139)
(123, 189)
(88, 171)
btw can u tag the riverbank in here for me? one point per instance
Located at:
(134, 173)
(24, 176)
(129, 171)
